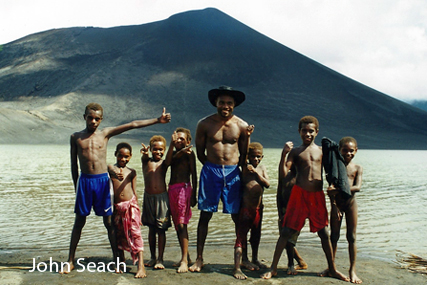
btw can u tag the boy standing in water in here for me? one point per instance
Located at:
(254, 179)
(155, 209)
(127, 216)
(307, 199)
(92, 187)
(182, 193)
(341, 205)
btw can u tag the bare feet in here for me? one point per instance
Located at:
(259, 264)
(301, 265)
(238, 274)
(159, 265)
(354, 278)
(197, 266)
(249, 265)
(291, 270)
(269, 274)
(324, 273)
(150, 263)
(69, 269)
(183, 267)
(335, 274)
(141, 273)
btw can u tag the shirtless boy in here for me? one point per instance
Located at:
(307, 198)
(341, 206)
(182, 190)
(127, 216)
(89, 150)
(155, 209)
(221, 144)
(254, 180)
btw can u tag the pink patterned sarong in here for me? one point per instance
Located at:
(179, 203)
(127, 219)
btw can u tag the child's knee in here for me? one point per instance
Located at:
(335, 236)
(351, 237)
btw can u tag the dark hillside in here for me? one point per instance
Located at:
(46, 79)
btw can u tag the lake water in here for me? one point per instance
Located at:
(37, 203)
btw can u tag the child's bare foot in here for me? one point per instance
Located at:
(159, 265)
(150, 263)
(249, 265)
(141, 273)
(338, 275)
(269, 274)
(66, 267)
(354, 278)
(259, 264)
(238, 274)
(183, 267)
(291, 270)
(324, 273)
(301, 265)
(197, 266)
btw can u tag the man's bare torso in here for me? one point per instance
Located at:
(222, 139)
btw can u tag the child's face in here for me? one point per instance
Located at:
(255, 156)
(123, 156)
(308, 133)
(181, 140)
(157, 150)
(348, 151)
(93, 119)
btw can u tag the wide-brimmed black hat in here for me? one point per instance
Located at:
(238, 96)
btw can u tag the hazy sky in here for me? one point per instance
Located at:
(380, 43)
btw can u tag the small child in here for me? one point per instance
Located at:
(127, 216)
(254, 180)
(341, 205)
(182, 196)
(155, 210)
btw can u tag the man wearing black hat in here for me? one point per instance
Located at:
(221, 144)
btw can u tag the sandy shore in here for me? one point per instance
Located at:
(217, 270)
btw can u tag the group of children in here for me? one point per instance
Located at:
(300, 196)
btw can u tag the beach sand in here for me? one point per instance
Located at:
(218, 268)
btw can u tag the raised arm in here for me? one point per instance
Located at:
(144, 153)
(286, 160)
(169, 154)
(244, 140)
(113, 131)
(74, 161)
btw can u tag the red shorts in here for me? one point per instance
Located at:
(249, 218)
(302, 205)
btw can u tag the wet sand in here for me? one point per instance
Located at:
(218, 268)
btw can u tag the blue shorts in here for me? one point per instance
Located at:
(94, 190)
(219, 181)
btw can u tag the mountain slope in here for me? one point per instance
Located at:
(46, 79)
